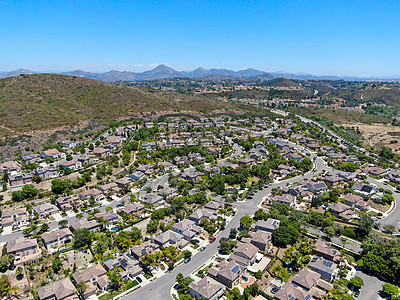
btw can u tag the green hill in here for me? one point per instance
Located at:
(43, 101)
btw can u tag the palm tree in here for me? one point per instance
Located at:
(81, 287)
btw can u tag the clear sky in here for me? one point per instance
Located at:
(353, 37)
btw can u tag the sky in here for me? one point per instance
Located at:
(335, 37)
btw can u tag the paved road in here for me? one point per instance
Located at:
(161, 287)
(372, 287)
(394, 217)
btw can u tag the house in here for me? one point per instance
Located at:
(183, 226)
(247, 161)
(9, 167)
(69, 202)
(376, 171)
(332, 179)
(95, 193)
(342, 210)
(127, 263)
(325, 250)
(67, 144)
(227, 273)
(317, 187)
(45, 210)
(364, 189)
(262, 240)
(244, 254)
(287, 199)
(124, 182)
(23, 249)
(167, 165)
(80, 224)
(214, 206)
(137, 175)
(53, 153)
(53, 240)
(74, 164)
(95, 278)
(111, 220)
(355, 201)
(206, 288)
(200, 214)
(328, 269)
(32, 159)
(20, 179)
(193, 176)
(14, 217)
(170, 238)
(152, 199)
(148, 247)
(59, 290)
(393, 176)
(46, 172)
(133, 209)
(87, 159)
(102, 152)
(166, 192)
(294, 156)
(109, 189)
(269, 225)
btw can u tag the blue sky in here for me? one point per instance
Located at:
(321, 37)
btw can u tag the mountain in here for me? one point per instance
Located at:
(165, 72)
(16, 73)
(48, 101)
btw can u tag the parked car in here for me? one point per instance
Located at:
(138, 279)
(187, 260)
(202, 248)
(212, 240)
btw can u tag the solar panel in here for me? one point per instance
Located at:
(235, 269)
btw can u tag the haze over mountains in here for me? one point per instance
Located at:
(165, 72)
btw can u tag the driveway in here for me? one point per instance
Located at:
(371, 288)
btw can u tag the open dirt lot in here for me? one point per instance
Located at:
(379, 135)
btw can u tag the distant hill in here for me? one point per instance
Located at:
(165, 72)
(46, 101)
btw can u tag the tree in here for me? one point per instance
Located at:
(389, 228)
(115, 279)
(390, 289)
(330, 231)
(63, 223)
(81, 287)
(365, 225)
(356, 282)
(187, 254)
(4, 285)
(82, 238)
(56, 265)
(245, 222)
(285, 235)
(233, 233)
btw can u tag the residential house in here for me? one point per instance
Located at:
(86, 159)
(206, 288)
(23, 249)
(69, 202)
(109, 189)
(14, 217)
(328, 269)
(376, 171)
(53, 153)
(227, 273)
(214, 206)
(170, 238)
(45, 209)
(20, 179)
(200, 214)
(46, 172)
(244, 254)
(95, 278)
(193, 176)
(134, 209)
(54, 240)
(102, 152)
(364, 189)
(9, 167)
(355, 201)
(95, 193)
(325, 250)
(127, 263)
(317, 187)
(80, 224)
(59, 290)
(74, 164)
(269, 225)
(342, 210)
(183, 226)
(148, 247)
(111, 220)
(262, 240)
(67, 144)
(287, 199)
(152, 199)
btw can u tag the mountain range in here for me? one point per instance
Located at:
(165, 72)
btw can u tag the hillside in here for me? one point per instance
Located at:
(43, 101)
